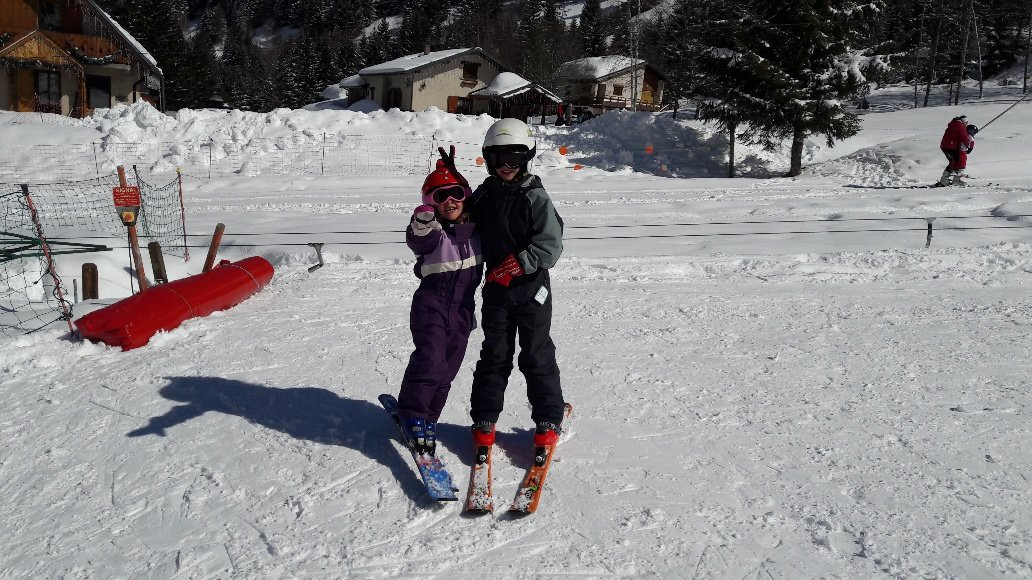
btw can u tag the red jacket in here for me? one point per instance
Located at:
(956, 136)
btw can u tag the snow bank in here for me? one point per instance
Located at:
(655, 144)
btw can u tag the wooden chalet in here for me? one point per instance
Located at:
(511, 96)
(70, 57)
(601, 83)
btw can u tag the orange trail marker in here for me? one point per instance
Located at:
(563, 150)
(480, 161)
(578, 167)
(649, 149)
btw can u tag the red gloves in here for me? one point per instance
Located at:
(504, 273)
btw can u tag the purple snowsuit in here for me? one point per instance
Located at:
(450, 268)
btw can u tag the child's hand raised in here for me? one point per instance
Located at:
(449, 162)
(424, 220)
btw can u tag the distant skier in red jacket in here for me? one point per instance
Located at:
(957, 142)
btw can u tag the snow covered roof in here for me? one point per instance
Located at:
(508, 84)
(353, 82)
(596, 67)
(414, 62)
(124, 35)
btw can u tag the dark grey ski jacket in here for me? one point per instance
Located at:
(517, 218)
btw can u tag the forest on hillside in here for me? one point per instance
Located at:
(263, 54)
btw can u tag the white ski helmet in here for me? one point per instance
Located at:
(509, 135)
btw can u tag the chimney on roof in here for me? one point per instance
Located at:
(426, 48)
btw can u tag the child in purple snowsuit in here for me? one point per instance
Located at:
(450, 267)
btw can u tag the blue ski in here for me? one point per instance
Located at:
(431, 468)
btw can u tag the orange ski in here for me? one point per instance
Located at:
(529, 493)
(478, 497)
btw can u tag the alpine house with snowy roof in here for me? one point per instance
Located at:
(510, 95)
(442, 79)
(70, 57)
(601, 83)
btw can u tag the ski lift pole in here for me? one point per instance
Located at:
(318, 254)
(1027, 95)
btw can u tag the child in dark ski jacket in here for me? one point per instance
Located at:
(521, 235)
(956, 143)
(450, 267)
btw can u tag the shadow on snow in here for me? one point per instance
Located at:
(307, 413)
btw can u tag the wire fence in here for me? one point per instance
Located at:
(330, 155)
(32, 294)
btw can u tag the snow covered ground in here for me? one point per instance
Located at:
(772, 378)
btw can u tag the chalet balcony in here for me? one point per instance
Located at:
(610, 102)
(90, 46)
(87, 45)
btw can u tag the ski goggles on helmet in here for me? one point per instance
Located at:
(510, 159)
(455, 192)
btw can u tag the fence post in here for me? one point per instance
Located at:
(66, 311)
(134, 241)
(322, 170)
(211, 146)
(928, 240)
(142, 218)
(213, 249)
(157, 262)
(90, 281)
(182, 214)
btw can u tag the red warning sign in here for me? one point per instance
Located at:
(127, 203)
(127, 196)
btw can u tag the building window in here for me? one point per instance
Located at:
(470, 70)
(48, 86)
(618, 90)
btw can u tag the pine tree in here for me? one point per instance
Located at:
(591, 29)
(706, 55)
(286, 77)
(380, 45)
(157, 24)
(243, 71)
(348, 59)
(204, 78)
(794, 69)
(326, 71)
(421, 25)
(464, 30)
(681, 48)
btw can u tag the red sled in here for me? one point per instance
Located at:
(131, 322)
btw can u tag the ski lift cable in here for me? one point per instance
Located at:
(1025, 96)
(603, 226)
(647, 236)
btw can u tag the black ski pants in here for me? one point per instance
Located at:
(506, 314)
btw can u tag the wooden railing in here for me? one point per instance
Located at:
(613, 102)
(92, 46)
(42, 105)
